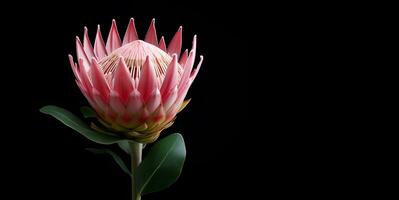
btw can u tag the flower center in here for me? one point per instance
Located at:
(134, 54)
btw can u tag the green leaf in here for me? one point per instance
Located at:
(117, 159)
(162, 165)
(78, 125)
(87, 112)
(124, 145)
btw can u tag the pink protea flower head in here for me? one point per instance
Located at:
(136, 87)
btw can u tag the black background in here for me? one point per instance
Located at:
(269, 112)
(49, 160)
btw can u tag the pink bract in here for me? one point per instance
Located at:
(135, 86)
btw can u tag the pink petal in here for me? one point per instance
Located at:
(171, 98)
(186, 85)
(115, 103)
(162, 44)
(183, 58)
(195, 72)
(74, 67)
(135, 102)
(80, 52)
(131, 33)
(187, 70)
(148, 79)
(98, 99)
(99, 46)
(87, 45)
(171, 77)
(181, 94)
(108, 78)
(144, 116)
(122, 81)
(114, 40)
(151, 36)
(153, 101)
(189, 64)
(82, 89)
(87, 96)
(110, 114)
(176, 43)
(84, 77)
(158, 116)
(99, 81)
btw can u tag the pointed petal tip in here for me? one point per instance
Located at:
(70, 57)
(162, 44)
(113, 22)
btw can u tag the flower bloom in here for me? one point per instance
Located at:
(136, 87)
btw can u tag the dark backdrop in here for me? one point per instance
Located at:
(260, 125)
(49, 160)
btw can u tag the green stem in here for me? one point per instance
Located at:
(135, 153)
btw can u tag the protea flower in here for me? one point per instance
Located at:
(136, 87)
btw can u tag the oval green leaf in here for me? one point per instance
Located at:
(162, 165)
(124, 145)
(78, 125)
